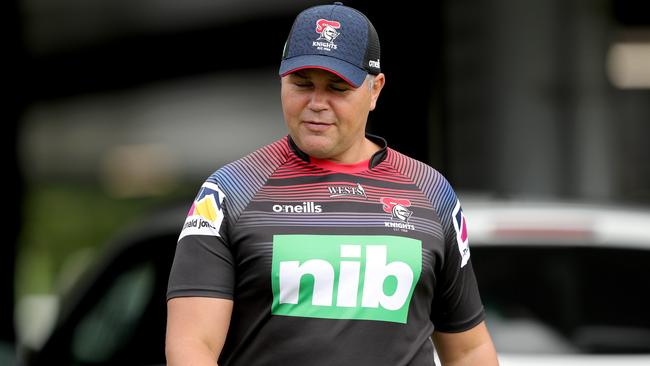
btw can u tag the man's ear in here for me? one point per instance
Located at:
(377, 86)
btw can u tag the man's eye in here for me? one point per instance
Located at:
(338, 88)
(302, 85)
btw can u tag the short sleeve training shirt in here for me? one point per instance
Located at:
(329, 264)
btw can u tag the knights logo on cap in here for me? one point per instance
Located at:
(327, 30)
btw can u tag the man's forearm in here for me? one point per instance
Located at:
(484, 355)
(468, 348)
(190, 353)
(196, 330)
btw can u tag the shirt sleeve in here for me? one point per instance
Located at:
(203, 263)
(457, 304)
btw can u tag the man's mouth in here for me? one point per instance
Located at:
(316, 126)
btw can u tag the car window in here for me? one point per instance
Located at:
(106, 327)
(116, 315)
(7, 354)
(561, 299)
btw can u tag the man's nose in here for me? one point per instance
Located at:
(318, 100)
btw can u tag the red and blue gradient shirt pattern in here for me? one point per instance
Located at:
(329, 263)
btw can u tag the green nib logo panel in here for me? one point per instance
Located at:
(345, 276)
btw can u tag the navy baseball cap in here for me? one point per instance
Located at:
(335, 38)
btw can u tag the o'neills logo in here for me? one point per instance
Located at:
(399, 213)
(347, 191)
(305, 207)
(327, 34)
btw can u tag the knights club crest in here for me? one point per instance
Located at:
(327, 33)
(399, 212)
(397, 208)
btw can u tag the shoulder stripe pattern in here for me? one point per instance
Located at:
(241, 179)
(433, 184)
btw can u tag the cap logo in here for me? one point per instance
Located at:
(326, 30)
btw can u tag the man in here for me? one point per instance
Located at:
(326, 247)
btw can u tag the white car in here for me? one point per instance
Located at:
(562, 283)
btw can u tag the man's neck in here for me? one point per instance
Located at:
(357, 153)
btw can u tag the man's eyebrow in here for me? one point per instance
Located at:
(299, 74)
(332, 77)
(336, 79)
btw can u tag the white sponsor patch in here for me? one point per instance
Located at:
(206, 214)
(460, 225)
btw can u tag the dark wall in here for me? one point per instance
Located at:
(13, 107)
(409, 114)
(410, 59)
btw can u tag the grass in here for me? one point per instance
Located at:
(63, 227)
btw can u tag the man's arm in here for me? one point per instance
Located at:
(196, 330)
(471, 347)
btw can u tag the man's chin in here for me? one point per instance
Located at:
(316, 146)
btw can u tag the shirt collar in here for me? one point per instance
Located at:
(375, 160)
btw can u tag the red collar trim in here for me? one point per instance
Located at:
(341, 168)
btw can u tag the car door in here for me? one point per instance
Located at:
(116, 315)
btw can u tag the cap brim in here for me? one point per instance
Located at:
(346, 71)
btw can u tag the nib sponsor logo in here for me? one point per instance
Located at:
(345, 276)
(347, 191)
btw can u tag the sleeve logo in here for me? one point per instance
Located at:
(206, 214)
(460, 225)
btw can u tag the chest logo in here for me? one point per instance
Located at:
(400, 214)
(347, 191)
(345, 276)
(303, 208)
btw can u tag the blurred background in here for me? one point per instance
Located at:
(117, 108)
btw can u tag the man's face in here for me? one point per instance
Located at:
(326, 117)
